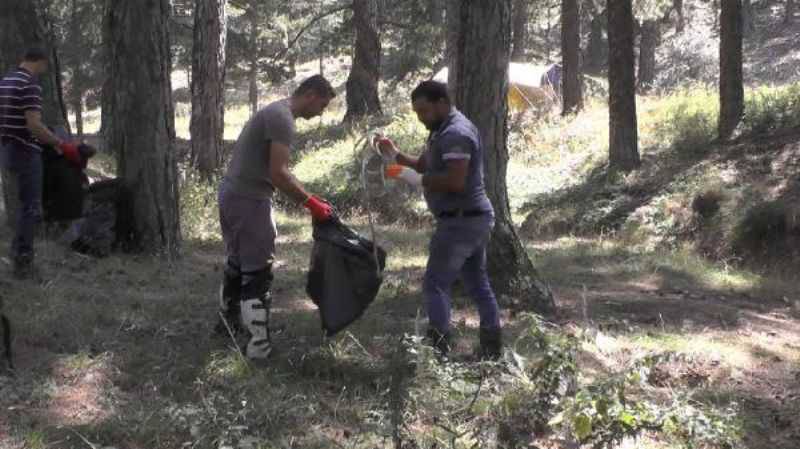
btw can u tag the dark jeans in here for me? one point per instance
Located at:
(458, 248)
(25, 165)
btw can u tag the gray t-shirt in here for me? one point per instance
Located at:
(248, 172)
(457, 139)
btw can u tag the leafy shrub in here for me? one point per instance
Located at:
(764, 224)
(199, 209)
(770, 108)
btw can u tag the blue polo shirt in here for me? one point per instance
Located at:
(457, 139)
(19, 92)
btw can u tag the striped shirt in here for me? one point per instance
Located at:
(19, 92)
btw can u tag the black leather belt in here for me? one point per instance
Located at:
(458, 213)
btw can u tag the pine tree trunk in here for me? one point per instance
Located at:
(483, 54)
(362, 84)
(520, 30)
(453, 16)
(77, 107)
(681, 24)
(748, 18)
(647, 54)
(623, 129)
(77, 71)
(252, 75)
(571, 89)
(107, 92)
(597, 49)
(207, 125)
(143, 131)
(731, 88)
(436, 12)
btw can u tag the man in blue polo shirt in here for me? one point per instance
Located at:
(451, 173)
(22, 135)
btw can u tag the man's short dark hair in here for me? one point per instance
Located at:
(35, 54)
(432, 91)
(316, 84)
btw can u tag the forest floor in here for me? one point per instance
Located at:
(121, 353)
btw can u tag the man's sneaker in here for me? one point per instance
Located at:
(440, 341)
(491, 344)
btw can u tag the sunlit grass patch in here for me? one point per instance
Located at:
(715, 347)
(79, 361)
(613, 257)
(36, 439)
(226, 367)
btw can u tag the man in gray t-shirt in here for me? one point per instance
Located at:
(451, 173)
(248, 173)
(260, 165)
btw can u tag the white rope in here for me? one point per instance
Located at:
(364, 142)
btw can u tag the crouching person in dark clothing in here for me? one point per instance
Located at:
(451, 174)
(23, 134)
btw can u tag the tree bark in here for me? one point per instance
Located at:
(520, 29)
(435, 11)
(252, 75)
(143, 131)
(77, 108)
(483, 54)
(731, 87)
(207, 124)
(76, 91)
(647, 54)
(623, 129)
(597, 49)
(748, 18)
(681, 22)
(453, 16)
(107, 92)
(362, 84)
(571, 90)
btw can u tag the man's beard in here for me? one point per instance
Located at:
(433, 126)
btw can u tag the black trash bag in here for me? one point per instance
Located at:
(64, 184)
(343, 279)
(107, 223)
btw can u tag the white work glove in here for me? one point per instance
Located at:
(405, 174)
(387, 148)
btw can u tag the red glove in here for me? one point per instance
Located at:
(320, 210)
(387, 148)
(70, 152)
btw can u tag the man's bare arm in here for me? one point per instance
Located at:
(282, 178)
(33, 120)
(417, 163)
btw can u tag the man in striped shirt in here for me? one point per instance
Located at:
(22, 135)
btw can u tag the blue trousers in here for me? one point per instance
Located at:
(26, 167)
(458, 248)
